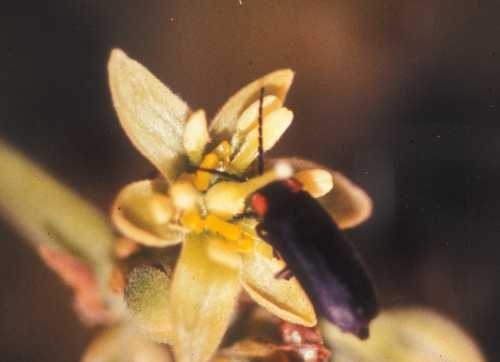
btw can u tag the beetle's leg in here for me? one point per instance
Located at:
(261, 231)
(245, 214)
(284, 273)
(277, 254)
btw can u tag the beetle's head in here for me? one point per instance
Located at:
(278, 191)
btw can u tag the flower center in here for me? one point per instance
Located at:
(208, 203)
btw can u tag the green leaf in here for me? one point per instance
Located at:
(47, 212)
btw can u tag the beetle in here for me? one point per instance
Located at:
(315, 251)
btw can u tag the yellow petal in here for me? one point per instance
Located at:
(142, 213)
(151, 115)
(124, 344)
(284, 298)
(249, 118)
(203, 297)
(147, 297)
(276, 83)
(196, 136)
(274, 125)
(224, 253)
(348, 204)
(317, 182)
(405, 335)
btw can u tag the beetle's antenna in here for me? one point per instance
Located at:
(261, 142)
(219, 173)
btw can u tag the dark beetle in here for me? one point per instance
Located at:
(317, 254)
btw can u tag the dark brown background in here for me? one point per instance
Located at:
(402, 96)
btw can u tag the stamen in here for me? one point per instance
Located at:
(227, 199)
(202, 179)
(219, 173)
(193, 221)
(227, 230)
(224, 151)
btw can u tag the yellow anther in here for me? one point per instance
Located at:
(224, 151)
(244, 244)
(227, 230)
(202, 180)
(264, 249)
(227, 198)
(192, 220)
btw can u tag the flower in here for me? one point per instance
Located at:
(220, 253)
(409, 334)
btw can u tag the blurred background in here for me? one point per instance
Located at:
(401, 96)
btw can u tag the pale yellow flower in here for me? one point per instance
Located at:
(411, 334)
(220, 254)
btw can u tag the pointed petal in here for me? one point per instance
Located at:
(274, 125)
(276, 83)
(406, 335)
(284, 298)
(151, 115)
(142, 212)
(196, 136)
(250, 116)
(248, 120)
(348, 204)
(203, 297)
(124, 344)
(147, 297)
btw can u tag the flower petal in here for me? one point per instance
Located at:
(274, 125)
(124, 344)
(348, 204)
(406, 335)
(203, 297)
(196, 136)
(248, 120)
(276, 83)
(142, 213)
(151, 115)
(284, 298)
